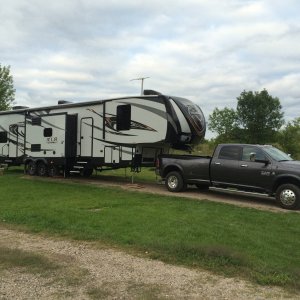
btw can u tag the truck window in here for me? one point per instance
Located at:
(230, 152)
(123, 117)
(248, 152)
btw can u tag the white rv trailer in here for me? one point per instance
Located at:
(113, 133)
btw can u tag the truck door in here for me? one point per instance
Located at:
(225, 165)
(252, 170)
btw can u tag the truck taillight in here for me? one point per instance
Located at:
(157, 163)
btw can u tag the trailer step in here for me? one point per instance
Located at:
(78, 167)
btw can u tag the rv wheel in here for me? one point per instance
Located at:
(52, 171)
(41, 169)
(87, 172)
(30, 168)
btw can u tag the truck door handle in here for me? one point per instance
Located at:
(244, 166)
(217, 163)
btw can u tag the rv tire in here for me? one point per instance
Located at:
(87, 172)
(41, 169)
(52, 170)
(30, 168)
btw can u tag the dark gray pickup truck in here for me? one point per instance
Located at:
(256, 168)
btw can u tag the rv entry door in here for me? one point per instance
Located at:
(86, 137)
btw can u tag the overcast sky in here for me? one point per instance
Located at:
(206, 50)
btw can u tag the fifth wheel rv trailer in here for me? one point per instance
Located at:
(113, 133)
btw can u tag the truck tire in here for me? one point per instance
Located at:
(288, 196)
(174, 182)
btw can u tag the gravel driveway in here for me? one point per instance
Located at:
(93, 271)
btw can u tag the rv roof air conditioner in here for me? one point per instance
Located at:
(63, 102)
(151, 92)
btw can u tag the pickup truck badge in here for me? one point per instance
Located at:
(265, 173)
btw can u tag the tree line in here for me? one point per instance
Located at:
(257, 119)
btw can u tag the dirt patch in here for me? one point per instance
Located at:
(92, 271)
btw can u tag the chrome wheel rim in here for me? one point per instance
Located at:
(287, 197)
(172, 182)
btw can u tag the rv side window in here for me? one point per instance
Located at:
(47, 132)
(3, 137)
(36, 121)
(123, 117)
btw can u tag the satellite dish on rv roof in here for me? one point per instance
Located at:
(63, 102)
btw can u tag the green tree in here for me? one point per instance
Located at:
(260, 115)
(222, 121)
(7, 91)
(289, 138)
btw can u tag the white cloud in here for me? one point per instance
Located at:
(207, 50)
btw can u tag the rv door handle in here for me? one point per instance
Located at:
(217, 163)
(244, 166)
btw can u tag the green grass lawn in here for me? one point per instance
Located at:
(258, 245)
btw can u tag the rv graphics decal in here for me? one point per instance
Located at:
(111, 123)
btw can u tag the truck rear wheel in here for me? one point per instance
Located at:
(174, 182)
(288, 196)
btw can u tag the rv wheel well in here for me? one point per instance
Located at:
(35, 160)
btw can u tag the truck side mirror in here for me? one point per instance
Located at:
(252, 156)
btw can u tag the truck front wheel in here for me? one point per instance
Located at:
(288, 196)
(174, 182)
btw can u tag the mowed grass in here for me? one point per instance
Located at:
(257, 245)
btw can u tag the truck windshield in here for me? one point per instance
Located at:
(277, 154)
